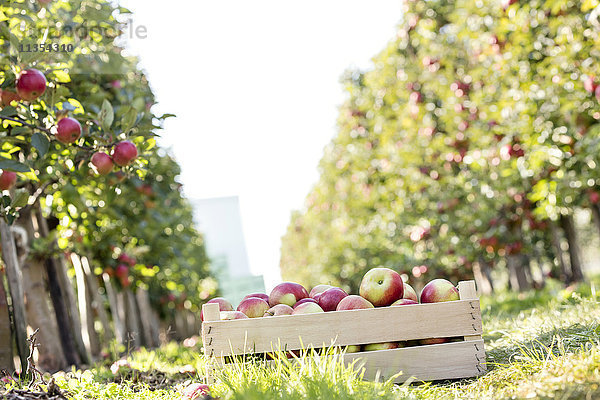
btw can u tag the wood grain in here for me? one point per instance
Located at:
(424, 363)
(388, 324)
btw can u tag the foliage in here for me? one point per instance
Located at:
(138, 210)
(476, 129)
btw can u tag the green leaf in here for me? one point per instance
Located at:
(107, 115)
(9, 80)
(129, 119)
(8, 111)
(12, 165)
(41, 143)
(20, 130)
(20, 199)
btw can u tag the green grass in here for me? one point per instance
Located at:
(539, 345)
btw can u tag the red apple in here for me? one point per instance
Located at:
(507, 3)
(307, 308)
(409, 293)
(253, 307)
(259, 295)
(434, 341)
(124, 153)
(279, 309)
(31, 84)
(68, 130)
(121, 271)
(6, 97)
(318, 289)
(229, 315)
(439, 290)
(224, 305)
(287, 293)
(103, 163)
(353, 302)
(196, 391)
(382, 286)
(404, 302)
(589, 84)
(380, 346)
(305, 300)
(329, 299)
(7, 180)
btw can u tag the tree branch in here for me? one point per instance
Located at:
(20, 121)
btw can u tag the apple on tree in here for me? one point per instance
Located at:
(382, 286)
(8, 179)
(31, 84)
(7, 97)
(68, 130)
(124, 153)
(103, 163)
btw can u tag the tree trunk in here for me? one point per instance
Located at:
(114, 309)
(60, 299)
(15, 287)
(565, 274)
(596, 215)
(97, 301)
(6, 354)
(39, 313)
(568, 225)
(88, 331)
(131, 318)
(481, 271)
(517, 273)
(148, 328)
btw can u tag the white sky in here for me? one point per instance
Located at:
(255, 86)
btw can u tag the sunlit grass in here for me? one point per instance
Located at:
(539, 345)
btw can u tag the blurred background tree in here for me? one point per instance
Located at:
(465, 151)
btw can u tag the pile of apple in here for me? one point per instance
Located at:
(380, 287)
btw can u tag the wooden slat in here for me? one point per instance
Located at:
(210, 312)
(468, 291)
(388, 324)
(424, 363)
(420, 363)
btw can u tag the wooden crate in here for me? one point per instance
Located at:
(461, 318)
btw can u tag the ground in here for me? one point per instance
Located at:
(543, 344)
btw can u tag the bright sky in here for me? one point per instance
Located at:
(255, 86)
